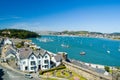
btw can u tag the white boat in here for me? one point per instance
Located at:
(63, 45)
(82, 53)
(108, 51)
(119, 49)
(45, 40)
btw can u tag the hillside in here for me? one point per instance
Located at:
(18, 33)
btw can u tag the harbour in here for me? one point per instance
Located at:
(97, 50)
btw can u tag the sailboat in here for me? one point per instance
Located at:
(108, 51)
(82, 53)
(63, 45)
(119, 49)
(45, 40)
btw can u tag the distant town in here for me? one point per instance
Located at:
(114, 36)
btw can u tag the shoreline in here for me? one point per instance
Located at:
(83, 37)
(92, 65)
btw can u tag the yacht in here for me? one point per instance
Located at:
(108, 51)
(45, 40)
(63, 45)
(82, 53)
(119, 49)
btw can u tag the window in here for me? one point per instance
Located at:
(32, 68)
(39, 62)
(45, 56)
(32, 57)
(24, 62)
(39, 57)
(46, 66)
(46, 61)
(32, 62)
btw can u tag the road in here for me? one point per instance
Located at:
(6, 74)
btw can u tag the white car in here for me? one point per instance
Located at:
(28, 76)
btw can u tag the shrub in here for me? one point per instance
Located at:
(52, 69)
(107, 68)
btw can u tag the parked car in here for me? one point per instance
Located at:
(28, 76)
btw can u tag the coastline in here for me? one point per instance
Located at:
(100, 65)
(92, 65)
(83, 37)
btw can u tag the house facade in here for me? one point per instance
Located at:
(28, 59)
(33, 61)
(7, 42)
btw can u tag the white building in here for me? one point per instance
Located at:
(7, 42)
(32, 61)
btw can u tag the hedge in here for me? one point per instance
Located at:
(52, 69)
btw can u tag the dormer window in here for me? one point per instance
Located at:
(45, 56)
(24, 62)
(39, 57)
(32, 57)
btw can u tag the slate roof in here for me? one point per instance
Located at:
(58, 57)
(26, 52)
(10, 51)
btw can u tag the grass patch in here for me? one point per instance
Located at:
(58, 73)
(50, 70)
(49, 79)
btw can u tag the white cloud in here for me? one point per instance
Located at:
(27, 26)
(9, 17)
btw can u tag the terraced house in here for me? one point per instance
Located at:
(30, 60)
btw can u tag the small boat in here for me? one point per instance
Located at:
(82, 53)
(119, 49)
(108, 51)
(63, 45)
(45, 40)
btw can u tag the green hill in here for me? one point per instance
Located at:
(18, 33)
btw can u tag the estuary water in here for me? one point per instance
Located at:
(97, 50)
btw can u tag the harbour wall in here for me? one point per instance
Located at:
(88, 74)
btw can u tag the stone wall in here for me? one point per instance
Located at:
(88, 74)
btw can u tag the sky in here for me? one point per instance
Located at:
(59, 15)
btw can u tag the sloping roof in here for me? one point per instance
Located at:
(58, 57)
(41, 52)
(26, 52)
(10, 51)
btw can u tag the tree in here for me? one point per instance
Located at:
(107, 68)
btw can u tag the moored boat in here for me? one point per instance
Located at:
(63, 45)
(82, 53)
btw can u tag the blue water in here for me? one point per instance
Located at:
(95, 49)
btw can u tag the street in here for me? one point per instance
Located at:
(6, 74)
